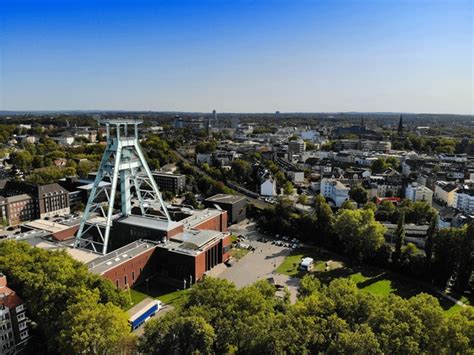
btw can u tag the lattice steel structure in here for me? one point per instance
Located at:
(123, 162)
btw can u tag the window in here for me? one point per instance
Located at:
(116, 283)
(20, 308)
(22, 326)
(23, 335)
(133, 275)
(125, 279)
(20, 317)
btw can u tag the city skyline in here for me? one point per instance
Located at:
(254, 56)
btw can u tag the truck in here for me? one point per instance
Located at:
(142, 311)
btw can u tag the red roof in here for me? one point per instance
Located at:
(394, 200)
(11, 299)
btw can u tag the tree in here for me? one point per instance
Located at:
(91, 327)
(84, 168)
(71, 306)
(324, 218)
(178, 335)
(288, 188)
(241, 169)
(400, 237)
(358, 194)
(190, 199)
(430, 235)
(378, 166)
(21, 160)
(303, 199)
(359, 233)
(466, 260)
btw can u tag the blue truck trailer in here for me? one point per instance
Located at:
(141, 312)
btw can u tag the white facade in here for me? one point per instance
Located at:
(296, 176)
(334, 190)
(464, 200)
(445, 192)
(417, 192)
(268, 188)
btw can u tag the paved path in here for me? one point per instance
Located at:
(256, 265)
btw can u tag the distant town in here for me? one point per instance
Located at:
(161, 217)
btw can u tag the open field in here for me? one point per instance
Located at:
(368, 279)
(166, 294)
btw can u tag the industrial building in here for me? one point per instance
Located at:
(235, 206)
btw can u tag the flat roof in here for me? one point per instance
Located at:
(224, 198)
(199, 216)
(103, 263)
(198, 238)
(46, 225)
(81, 255)
(149, 222)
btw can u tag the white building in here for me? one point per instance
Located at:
(417, 192)
(268, 187)
(464, 199)
(445, 192)
(297, 177)
(334, 190)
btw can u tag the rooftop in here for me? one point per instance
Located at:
(148, 222)
(199, 216)
(101, 264)
(196, 239)
(225, 198)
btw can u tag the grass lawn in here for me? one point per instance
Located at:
(165, 293)
(368, 279)
(291, 263)
(385, 283)
(238, 253)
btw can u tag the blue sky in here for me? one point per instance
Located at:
(240, 56)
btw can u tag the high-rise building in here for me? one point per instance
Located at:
(296, 147)
(214, 118)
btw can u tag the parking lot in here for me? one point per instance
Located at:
(260, 263)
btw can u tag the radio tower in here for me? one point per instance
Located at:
(123, 162)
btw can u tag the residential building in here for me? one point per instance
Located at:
(14, 333)
(417, 192)
(445, 192)
(268, 187)
(464, 199)
(334, 191)
(296, 147)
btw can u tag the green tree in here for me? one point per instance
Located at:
(241, 169)
(399, 237)
(359, 233)
(466, 260)
(288, 188)
(378, 166)
(430, 235)
(358, 194)
(324, 218)
(21, 160)
(178, 335)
